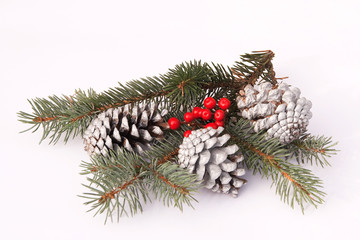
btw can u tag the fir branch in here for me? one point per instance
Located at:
(60, 115)
(173, 185)
(268, 157)
(312, 149)
(186, 83)
(116, 189)
(255, 65)
(125, 178)
(137, 91)
(183, 87)
(111, 195)
(168, 157)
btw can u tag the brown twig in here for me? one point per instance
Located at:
(111, 195)
(44, 119)
(168, 156)
(176, 187)
(309, 149)
(182, 84)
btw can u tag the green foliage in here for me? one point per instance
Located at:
(254, 66)
(186, 82)
(62, 115)
(173, 185)
(136, 91)
(162, 157)
(183, 87)
(116, 185)
(120, 182)
(312, 149)
(294, 183)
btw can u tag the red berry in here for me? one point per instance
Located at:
(212, 125)
(197, 112)
(224, 103)
(219, 123)
(219, 115)
(174, 123)
(188, 117)
(187, 133)
(206, 114)
(209, 103)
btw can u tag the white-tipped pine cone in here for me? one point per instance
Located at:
(118, 127)
(218, 166)
(277, 109)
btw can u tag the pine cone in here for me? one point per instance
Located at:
(278, 109)
(132, 129)
(219, 167)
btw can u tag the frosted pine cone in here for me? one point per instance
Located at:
(278, 109)
(132, 129)
(204, 153)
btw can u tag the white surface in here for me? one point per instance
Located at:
(54, 47)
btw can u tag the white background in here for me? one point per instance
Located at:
(54, 47)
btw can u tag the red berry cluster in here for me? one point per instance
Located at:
(205, 114)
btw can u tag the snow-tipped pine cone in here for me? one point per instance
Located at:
(204, 152)
(134, 129)
(277, 109)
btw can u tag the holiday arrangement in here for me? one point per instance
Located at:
(198, 125)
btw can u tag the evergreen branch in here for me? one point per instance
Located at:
(268, 157)
(186, 83)
(136, 91)
(111, 195)
(168, 157)
(173, 185)
(255, 65)
(128, 177)
(120, 181)
(183, 87)
(116, 189)
(58, 115)
(313, 149)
